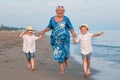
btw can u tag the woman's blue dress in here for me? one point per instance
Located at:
(60, 38)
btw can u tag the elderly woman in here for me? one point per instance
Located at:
(60, 37)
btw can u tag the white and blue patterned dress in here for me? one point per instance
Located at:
(60, 38)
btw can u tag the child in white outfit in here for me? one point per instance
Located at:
(29, 45)
(86, 47)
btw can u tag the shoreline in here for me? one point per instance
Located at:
(14, 65)
(101, 67)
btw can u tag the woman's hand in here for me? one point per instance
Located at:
(42, 32)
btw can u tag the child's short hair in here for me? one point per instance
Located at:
(84, 25)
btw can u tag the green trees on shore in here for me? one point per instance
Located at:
(2, 27)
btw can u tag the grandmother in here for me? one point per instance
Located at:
(60, 37)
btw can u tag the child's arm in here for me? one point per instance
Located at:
(99, 34)
(40, 36)
(22, 33)
(44, 31)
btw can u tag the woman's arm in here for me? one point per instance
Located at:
(74, 36)
(44, 31)
(99, 34)
(73, 33)
(22, 33)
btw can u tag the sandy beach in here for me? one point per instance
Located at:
(13, 65)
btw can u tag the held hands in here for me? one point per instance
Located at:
(42, 32)
(75, 40)
(74, 37)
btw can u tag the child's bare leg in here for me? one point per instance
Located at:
(33, 63)
(28, 59)
(85, 67)
(88, 66)
(29, 63)
(61, 68)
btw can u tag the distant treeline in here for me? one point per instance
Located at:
(3, 27)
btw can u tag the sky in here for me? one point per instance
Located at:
(98, 14)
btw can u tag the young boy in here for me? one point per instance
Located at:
(29, 45)
(86, 47)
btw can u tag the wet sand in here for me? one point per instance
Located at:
(13, 65)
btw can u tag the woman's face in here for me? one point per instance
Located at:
(60, 12)
(83, 30)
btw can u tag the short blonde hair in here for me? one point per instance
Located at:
(84, 25)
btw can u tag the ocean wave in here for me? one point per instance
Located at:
(110, 46)
(115, 65)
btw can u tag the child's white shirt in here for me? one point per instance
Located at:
(85, 43)
(29, 43)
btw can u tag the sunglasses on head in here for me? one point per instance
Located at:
(60, 7)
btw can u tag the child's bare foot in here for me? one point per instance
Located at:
(85, 74)
(88, 71)
(29, 65)
(61, 73)
(33, 69)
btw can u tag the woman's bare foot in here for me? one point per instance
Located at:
(61, 68)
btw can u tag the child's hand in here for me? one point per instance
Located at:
(102, 33)
(40, 36)
(24, 31)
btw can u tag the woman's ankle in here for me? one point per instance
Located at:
(66, 63)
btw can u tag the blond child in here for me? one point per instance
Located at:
(85, 46)
(29, 45)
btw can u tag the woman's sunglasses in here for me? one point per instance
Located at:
(60, 7)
